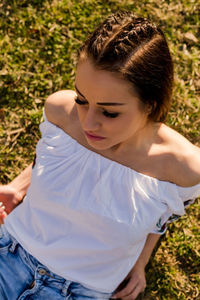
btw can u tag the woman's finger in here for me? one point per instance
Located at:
(136, 289)
(139, 289)
(3, 214)
(125, 292)
(135, 292)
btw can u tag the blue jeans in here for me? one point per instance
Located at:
(23, 277)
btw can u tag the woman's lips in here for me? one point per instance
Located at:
(94, 137)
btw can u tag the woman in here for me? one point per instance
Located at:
(108, 174)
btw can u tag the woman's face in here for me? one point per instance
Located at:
(109, 112)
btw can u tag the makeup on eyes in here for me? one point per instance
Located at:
(105, 112)
(101, 103)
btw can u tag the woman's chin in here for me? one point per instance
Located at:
(99, 145)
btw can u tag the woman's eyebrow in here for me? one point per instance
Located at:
(101, 103)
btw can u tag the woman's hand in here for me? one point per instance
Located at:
(3, 214)
(9, 199)
(133, 284)
(13, 193)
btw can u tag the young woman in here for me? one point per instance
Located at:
(108, 174)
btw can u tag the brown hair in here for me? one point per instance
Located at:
(137, 50)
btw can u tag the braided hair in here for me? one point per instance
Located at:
(137, 50)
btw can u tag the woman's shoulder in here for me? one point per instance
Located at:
(59, 107)
(182, 159)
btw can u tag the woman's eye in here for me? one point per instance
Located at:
(105, 112)
(81, 102)
(110, 115)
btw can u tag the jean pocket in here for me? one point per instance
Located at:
(5, 240)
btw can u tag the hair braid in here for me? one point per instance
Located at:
(137, 49)
(103, 34)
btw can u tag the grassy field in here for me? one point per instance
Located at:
(38, 44)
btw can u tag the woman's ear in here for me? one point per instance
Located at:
(150, 108)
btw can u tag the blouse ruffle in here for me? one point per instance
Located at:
(165, 194)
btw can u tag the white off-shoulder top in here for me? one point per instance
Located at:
(87, 217)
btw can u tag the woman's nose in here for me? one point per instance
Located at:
(91, 122)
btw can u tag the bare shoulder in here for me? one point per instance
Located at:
(59, 106)
(182, 160)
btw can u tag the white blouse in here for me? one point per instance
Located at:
(87, 217)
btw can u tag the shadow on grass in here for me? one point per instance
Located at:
(189, 260)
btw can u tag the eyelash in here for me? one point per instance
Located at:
(105, 112)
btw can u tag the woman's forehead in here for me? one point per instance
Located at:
(91, 81)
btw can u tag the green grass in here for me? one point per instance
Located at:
(38, 44)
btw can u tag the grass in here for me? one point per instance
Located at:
(38, 44)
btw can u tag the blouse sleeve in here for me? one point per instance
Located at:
(175, 196)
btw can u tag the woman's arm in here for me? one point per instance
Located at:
(13, 193)
(150, 244)
(22, 182)
(135, 281)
